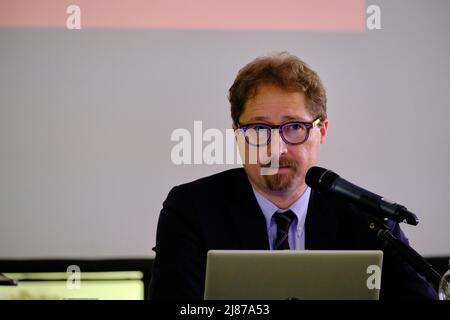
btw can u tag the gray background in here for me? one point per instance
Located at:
(86, 118)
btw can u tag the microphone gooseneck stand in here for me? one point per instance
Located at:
(412, 257)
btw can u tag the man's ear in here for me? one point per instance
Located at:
(323, 130)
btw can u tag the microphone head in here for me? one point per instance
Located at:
(320, 179)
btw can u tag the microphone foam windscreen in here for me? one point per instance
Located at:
(320, 178)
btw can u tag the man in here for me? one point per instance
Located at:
(276, 98)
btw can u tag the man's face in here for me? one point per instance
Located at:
(274, 106)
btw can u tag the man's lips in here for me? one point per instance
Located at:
(285, 167)
(279, 165)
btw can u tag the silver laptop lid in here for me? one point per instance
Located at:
(244, 274)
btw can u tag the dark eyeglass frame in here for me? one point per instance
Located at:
(307, 125)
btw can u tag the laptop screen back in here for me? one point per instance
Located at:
(242, 274)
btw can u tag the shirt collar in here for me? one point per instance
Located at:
(299, 207)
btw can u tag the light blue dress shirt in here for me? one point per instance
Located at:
(296, 233)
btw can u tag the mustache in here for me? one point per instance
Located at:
(282, 162)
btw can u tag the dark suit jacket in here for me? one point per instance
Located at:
(221, 212)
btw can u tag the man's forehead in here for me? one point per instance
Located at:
(271, 118)
(274, 104)
(276, 113)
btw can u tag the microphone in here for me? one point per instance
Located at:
(325, 180)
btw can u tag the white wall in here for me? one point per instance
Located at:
(86, 119)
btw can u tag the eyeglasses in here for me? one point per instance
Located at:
(293, 132)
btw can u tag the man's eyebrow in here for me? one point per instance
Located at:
(288, 118)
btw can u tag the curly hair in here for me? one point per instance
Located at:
(284, 70)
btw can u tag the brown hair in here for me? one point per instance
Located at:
(284, 70)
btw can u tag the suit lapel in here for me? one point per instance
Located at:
(321, 223)
(247, 217)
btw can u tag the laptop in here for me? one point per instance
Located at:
(293, 275)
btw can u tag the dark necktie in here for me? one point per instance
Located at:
(283, 220)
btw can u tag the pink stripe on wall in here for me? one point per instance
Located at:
(314, 15)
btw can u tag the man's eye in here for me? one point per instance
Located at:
(295, 126)
(258, 128)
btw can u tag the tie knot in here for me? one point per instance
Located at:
(284, 219)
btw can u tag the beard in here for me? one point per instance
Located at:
(281, 181)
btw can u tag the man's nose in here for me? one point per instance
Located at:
(277, 144)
